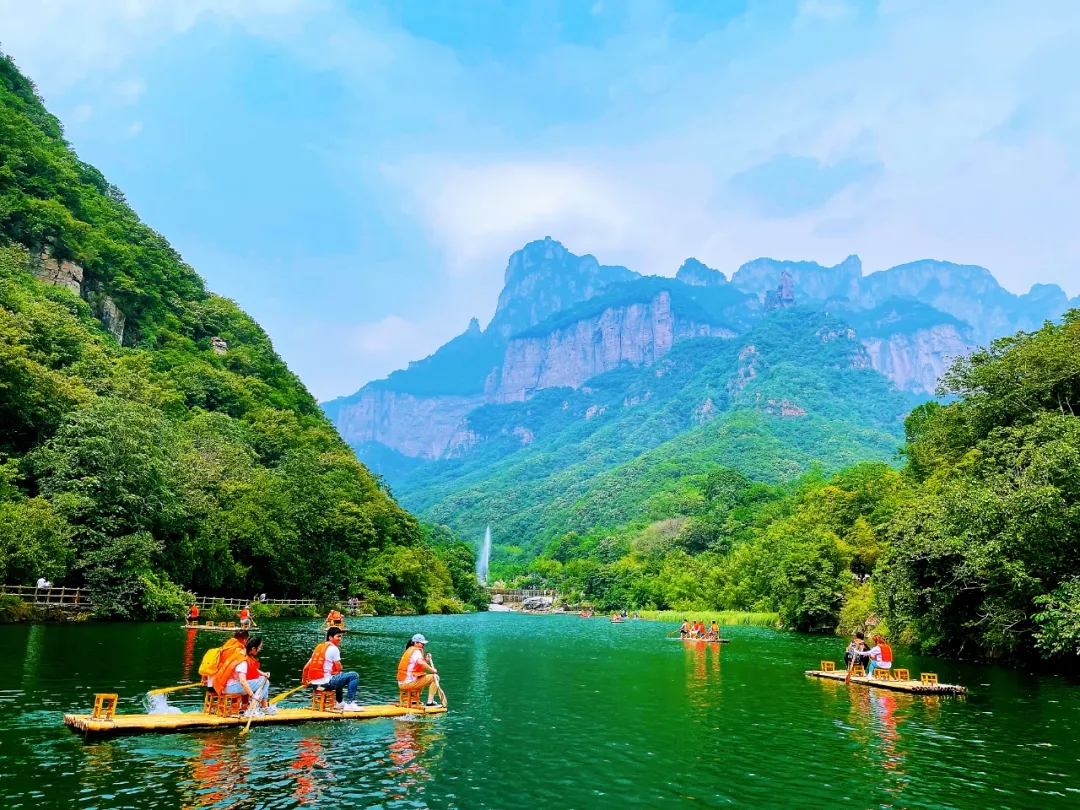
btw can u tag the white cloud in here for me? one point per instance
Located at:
(130, 91)
(827, 10)
(134, 129)
(391, 337)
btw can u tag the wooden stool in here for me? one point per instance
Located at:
(209, 624)
(881, 675)
(232, 624)
(322, 700)
(902, 675)
(409, 698)
(929, 679)
(210, 702)
(828, 666)
(858, 671)
(231, 705)
(105, 706)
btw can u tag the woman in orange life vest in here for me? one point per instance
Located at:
(193, 614)
(236, 643)
(880, 656)
(240, 675)
(245, 617)
(334, 617)
(417, 671)
(323, 670)
(714, 630)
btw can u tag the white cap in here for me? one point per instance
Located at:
(419, 639)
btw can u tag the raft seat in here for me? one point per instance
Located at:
(410, 698)
(210, 702)
(230, 705)
(322, 700)
(858, 671)
(105, 706)
(828, 666)
(928, 678)
(232, 624)
(882, 675)
(902, 674)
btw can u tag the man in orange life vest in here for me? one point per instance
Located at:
(323, 670)
(334, 617)
(245, 617)
(880, 656)
(416, 670)
(193, 614)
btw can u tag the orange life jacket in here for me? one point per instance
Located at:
(194, 612)
(405, 667)
(245, 614)
(334, 616)
(230, 658)
(886, 653)
(315, 668)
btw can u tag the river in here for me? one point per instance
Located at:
(545, 712)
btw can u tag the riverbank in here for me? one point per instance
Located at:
(724, 618)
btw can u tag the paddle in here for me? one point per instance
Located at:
(284, 695)
(167, 689)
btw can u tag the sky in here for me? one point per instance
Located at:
(356, 174)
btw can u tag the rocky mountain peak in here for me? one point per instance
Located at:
(812, 281)
(474, 328)
(697, 274)
(544, 278)
(784, 294)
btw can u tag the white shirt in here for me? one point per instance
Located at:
(333, 656)
(875, 654)
(415, 660)
(241, 669)
(41, 583)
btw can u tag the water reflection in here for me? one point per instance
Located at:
(189, 655)
(218, 776)
(307, 768)
(411, 758)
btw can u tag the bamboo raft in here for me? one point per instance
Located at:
(219, 628)
(702, 640)
(927, 684)
(198, 721)
(340, 627)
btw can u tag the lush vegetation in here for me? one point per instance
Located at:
(631, 445)
(971, 549)
(167, 461)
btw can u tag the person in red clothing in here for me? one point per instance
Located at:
(193, 614)
(245, 617)
(880, 656)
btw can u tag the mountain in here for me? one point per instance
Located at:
(151, 439)
(591, 381)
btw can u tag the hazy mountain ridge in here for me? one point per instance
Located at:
(562, 319)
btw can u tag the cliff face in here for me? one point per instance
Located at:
(812, 281)
(915, 361)
(637, 334)
(544, 278)
(416, 426)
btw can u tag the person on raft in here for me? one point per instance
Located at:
(684, 631)
(236, 643)
(323, 670)
(880, 656)
(856, 652)
(239, 674)
(714, 631)
(417, 671)
(193, 614)
(334, 618)
(245, 617)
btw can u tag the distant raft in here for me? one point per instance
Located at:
(223, 627)
(87, 724)
(340, 627)
(898, 680)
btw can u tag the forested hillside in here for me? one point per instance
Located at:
(794, 392)
(971, 549)
(150, 438)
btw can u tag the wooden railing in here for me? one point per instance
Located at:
(520, 594)
(66, 598)
(207, 601)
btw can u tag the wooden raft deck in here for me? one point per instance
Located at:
(216, 629)
(197, 721)
(912, 686)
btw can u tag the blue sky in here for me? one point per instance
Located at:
(356, 174)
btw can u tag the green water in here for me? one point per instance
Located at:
(546, 712)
